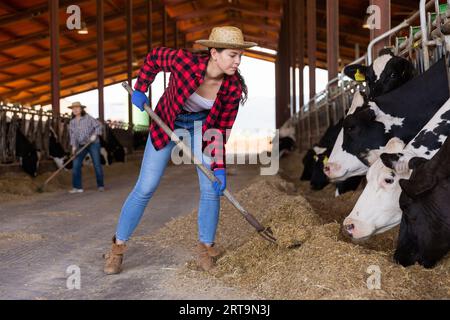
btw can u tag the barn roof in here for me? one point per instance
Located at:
(25, 39)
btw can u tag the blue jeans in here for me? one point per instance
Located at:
(152, 169)
(94, 151)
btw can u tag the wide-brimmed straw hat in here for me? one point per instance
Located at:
(76, 104)
(226, 38)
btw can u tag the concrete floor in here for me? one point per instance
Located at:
(76, 230)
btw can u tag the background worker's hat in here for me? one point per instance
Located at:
(226, 38)
(76, 104)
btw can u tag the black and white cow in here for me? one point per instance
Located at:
(387, 72)
(111, 150)
(377, 209)
(316, 158)
(287, 140)
(29, 157)
(140, 139)
(56, 150)
(115, 150)
(400, 113)
(425, 226)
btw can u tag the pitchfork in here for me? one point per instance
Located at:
(264, 232)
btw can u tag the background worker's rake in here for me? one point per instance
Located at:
(42, 188)
(266, 233)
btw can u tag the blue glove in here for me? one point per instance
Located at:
(139, 99)
(222, 177)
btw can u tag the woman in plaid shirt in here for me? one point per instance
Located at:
(84, 129)
(202, 98)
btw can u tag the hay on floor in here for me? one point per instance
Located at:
(326, 265)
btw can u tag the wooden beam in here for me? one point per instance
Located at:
(54, 47)
(139, 46)
(293, 46)
(164, 19)
(129, 31)
(385, 25)
(112, 36)
(301, 47)
(332, 38)
(312, 45)
(38, 99)
(251, 10)
(100, 59)
(43, 35)
(206, 11)
(174, 2)
(149, 40)
(34, 12)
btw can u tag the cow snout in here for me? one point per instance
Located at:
(357, 230)
(331, 169)
(348, 229)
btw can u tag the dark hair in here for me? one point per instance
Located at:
(240, 77)
(83, 113)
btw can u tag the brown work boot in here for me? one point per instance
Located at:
(213, 251)
(204, 260)
(113, 263)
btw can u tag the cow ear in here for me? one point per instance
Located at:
(356, 71)
(390, 159)
(373, 156)
(417, 187)
(367, 115)
(318, 150)
(385, 51)
(416, 162)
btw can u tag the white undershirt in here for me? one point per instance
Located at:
(196, 103)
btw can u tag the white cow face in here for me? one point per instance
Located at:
(378, 209)
(341, 164)
(287, 130)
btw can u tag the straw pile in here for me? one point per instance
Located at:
(15, 186)
(326, 265)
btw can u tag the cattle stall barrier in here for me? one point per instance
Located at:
(37, 124)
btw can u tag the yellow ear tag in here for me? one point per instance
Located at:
(325, 161)
(359, 76)
(316, 158)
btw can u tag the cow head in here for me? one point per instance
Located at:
(308, 165)
(386, 73)
(318, 178)
(288, 130)
(313, 164)
(425, 226)
(365, 133)
(30, 163)
(377, 209)
(341, 164)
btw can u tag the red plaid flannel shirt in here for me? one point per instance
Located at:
(187, 73)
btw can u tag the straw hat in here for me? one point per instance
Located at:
(226, 38)
(76, 104)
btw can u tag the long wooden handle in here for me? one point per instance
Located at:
(250, 218)
(66, 163)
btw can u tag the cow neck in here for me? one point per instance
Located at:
(428, 91)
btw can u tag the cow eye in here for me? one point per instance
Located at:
(393, 75)
(389, 180)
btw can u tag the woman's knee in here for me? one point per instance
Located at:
(145, 190)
